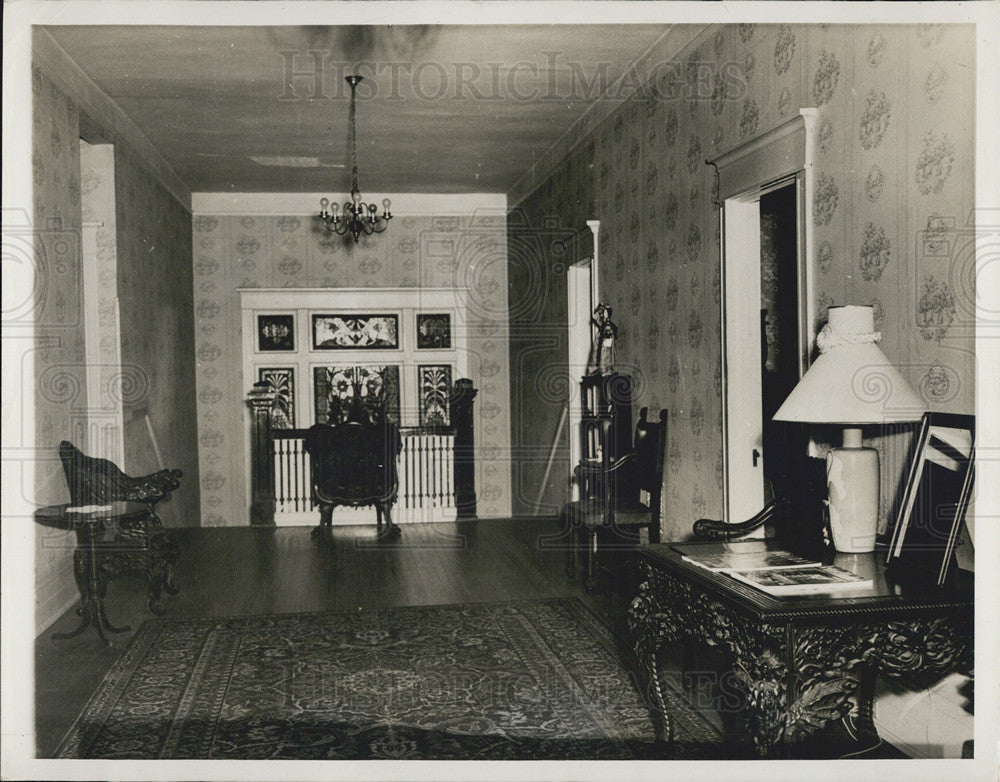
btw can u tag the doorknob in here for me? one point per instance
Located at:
(756, 456)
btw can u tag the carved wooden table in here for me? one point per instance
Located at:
(801, 662)
(128, 536)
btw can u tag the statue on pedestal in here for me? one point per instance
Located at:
(602, 352)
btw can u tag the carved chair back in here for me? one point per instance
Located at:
(354, 462)
(95, 481)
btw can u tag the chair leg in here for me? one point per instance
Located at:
(590, 536)
(384, 510)
(572, 536)
(325, 519)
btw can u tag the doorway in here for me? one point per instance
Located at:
(765, 189)
(782, 446)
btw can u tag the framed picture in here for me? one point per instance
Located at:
(434, 387)
(281, 381)
(930, 513)
(340, 390)
(355, 332)
(433, 331)
(275, 332)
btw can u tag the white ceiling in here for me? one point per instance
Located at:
(456, 109)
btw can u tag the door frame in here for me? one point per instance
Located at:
(582, 295)
(580, 302)
(765, 163)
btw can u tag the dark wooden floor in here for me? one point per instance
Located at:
(245, 571)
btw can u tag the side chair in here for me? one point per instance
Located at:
(619, 495)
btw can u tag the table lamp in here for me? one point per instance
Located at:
(851, 383)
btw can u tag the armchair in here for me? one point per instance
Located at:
(94, 481)
(354, 463)
(611, 512)
(140, 542)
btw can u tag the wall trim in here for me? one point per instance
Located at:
(102, 111)
(403, 204)
(669, 47)
(790, 140)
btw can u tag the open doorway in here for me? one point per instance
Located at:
(765, 190)
(782, 446)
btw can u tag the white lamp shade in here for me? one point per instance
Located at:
(852, 381)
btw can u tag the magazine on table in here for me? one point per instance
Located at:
(801, 580)
(740, 555)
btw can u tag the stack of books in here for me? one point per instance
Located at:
(765, 566)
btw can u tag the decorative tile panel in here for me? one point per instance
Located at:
(281, 381)
(275, 332)
(434, 388)
(433, 331)
(335, 389)
(355, 331)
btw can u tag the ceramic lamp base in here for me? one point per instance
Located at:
(852, 475)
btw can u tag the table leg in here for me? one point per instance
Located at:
(864, 723)
(87, 612)
(93, 586)
(652, 627)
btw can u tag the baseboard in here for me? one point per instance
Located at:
(346, 516)
(57, 616)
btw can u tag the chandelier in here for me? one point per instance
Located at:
(358, 217)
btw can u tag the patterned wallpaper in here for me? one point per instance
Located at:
(293, 252)
(157, 335)
(150, 233)
(894, 191)
(60, 385)
(546, 234)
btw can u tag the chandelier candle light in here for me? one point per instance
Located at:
(358, 217)
(853, 384)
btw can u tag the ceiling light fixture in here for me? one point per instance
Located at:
(358, 217)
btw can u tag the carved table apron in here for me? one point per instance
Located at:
(801, 662)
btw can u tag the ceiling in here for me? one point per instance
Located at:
(442, 109)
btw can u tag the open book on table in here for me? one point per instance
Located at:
(801, 580)
(763, 564)
(740, 555)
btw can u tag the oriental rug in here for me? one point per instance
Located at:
(523, 680)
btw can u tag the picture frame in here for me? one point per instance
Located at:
(930, 513)
(276, 333)
(355, 331)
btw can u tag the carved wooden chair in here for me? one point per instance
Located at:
(619, 495)
(143, 545)
(354, 464)
(94, 481)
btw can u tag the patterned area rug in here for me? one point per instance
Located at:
(524, 680)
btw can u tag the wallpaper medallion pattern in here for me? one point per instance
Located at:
(279, 251)
(885, 165)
